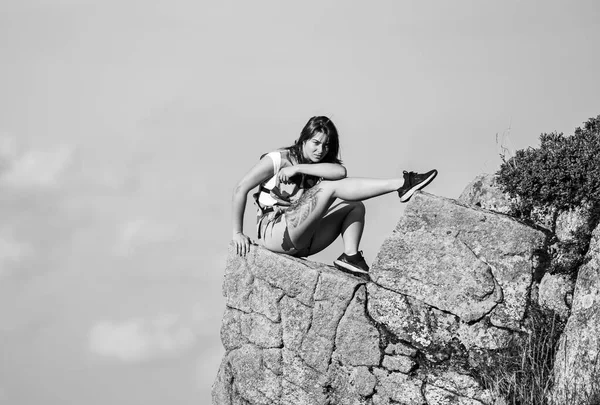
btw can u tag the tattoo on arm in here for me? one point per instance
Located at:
(301, 209)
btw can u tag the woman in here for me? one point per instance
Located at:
(298, 187)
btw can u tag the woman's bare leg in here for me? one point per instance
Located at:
(303, 218)
(360, 189)
(294, 234)
(346, 218)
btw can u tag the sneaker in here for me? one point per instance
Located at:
(354, 263)
(413, 182)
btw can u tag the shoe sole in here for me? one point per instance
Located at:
(418, 186)
(345, 266)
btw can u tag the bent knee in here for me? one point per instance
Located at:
(357, 206)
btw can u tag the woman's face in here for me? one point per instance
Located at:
(315, 149)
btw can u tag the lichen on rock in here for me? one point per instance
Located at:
(485, 193)
(577, 362)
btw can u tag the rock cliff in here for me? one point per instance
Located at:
(577, 366)
(450, 285)
(569, 286)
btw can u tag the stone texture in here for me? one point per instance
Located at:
(357, 340)
(440, 271)
(303, 377)
(259, 330)
(273, 360)
(573, 230)
(483, 336)
(316, 351)
(295, 320)
(507, 247)
(401, 349)
(264, 299)
(222, 387)
(573, 224)
(440, 396)
(295, 277)
(402, 364)
(237, 284)
(353, 385)
(464, 387)
(397, 387)
(231, 329)
(292, 394)
(577, 362)
(363, 380)
(450, 283)
(484, 192)
(280, 327)
(407, 319)
(555, 292)
(332, 297)
(255, 383)
(412, 321)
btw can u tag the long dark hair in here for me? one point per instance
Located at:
(312, 127)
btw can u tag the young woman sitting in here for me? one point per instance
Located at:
(305, 201)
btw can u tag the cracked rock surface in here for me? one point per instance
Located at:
(577, 362)
(493, 279)
(449, 280)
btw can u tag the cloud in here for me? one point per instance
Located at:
(139, 340)
(32, 168)
(141, 232)
(11, 251)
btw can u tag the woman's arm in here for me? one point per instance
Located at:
(262, 171)
(328, 171)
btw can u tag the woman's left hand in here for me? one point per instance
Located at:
(286, 174)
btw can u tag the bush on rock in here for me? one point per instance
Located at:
(564, 172)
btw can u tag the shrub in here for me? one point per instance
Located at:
(562, 173)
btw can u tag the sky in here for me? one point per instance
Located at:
(125, 125)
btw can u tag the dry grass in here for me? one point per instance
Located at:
(522, 374)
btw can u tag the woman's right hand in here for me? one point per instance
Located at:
(242, 243)
(285, 175)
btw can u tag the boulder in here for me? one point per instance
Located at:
(577, 362)
(485, 193)
(451, 279)
(462, 260)
(573, 225)
(285, 323)
(555, 292)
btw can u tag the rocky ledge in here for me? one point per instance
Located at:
(450, 284)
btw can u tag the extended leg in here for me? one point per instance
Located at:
(360, 189)
(303, 218)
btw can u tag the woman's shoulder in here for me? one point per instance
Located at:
(287, 157)
(282, 155)
(279, 152)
